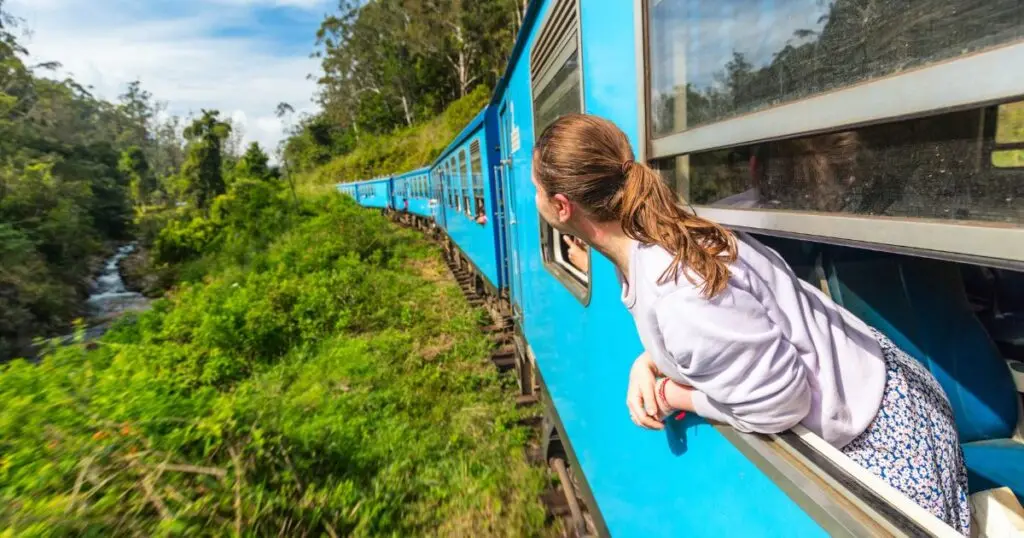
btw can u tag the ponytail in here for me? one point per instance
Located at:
(651, 213)
(590, 161)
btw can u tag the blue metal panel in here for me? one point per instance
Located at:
(690, 481)
(477, 241)
(419, 203)
(379, 195)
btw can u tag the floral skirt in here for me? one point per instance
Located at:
(912, 444)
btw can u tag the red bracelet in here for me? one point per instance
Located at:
(661, 393)
(661, 390)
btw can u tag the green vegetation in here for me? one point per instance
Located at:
(1009, 130)
(391, 65)
(406, 148)
(79, 174)
(304, 391)
(310, 370)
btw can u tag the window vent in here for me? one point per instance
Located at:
(559, 30)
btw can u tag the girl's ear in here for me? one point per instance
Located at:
(563, 207)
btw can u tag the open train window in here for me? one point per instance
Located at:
(556, 79)
(1008, 149)
(464, 181)
(477, 173)
(456, 176)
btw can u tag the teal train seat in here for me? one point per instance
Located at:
(922, 306)
(1001, 297)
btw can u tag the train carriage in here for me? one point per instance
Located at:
(467, 198)
(411, 192)
(374, 193)
(877, 146)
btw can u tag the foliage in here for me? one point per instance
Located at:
(135, 166)
(312, 391)
(393, 64)
(254, 164)
(202, 173)
(71, 166)
(1009, 130)
(404, 149)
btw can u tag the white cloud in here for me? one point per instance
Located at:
(180, 59)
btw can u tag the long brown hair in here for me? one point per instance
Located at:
(589, 160)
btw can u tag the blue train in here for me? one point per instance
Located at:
(877, 146)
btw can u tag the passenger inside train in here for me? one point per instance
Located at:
(741, 339)
(481, 212)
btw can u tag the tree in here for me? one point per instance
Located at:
(201, 173)
(254, 164)
(135, 165)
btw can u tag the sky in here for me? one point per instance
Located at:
(241, 57)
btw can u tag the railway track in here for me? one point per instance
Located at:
(562, 500)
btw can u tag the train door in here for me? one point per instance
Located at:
(512, 267)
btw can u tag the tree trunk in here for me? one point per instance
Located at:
(405, 108)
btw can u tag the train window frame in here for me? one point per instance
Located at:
(476, 170)
(464, 181)
(456, 182)
(447, 185)
(559, 42)
(933, 89)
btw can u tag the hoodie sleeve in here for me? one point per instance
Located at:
(746, 373)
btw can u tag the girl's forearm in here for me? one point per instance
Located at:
(677, 396)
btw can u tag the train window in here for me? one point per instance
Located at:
(464, 181)
(477, 173)
(1008, 150)
(447, 185)
(556, 79)
(927, 168)
(456, 176)
(715, 60)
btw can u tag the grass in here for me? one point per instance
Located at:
(335, 384)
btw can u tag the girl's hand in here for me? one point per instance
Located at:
(577, 252)
(640, 397)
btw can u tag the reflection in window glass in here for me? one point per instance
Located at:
(560, 96)
(714, 60)
(1009, 134)
(929, 168)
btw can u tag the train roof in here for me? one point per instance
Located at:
(367, 181)
(410, 173)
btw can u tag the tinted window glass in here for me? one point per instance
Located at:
(714, 60)
(933, 168)
(560, 96)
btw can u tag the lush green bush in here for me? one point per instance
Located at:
(333, 385)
